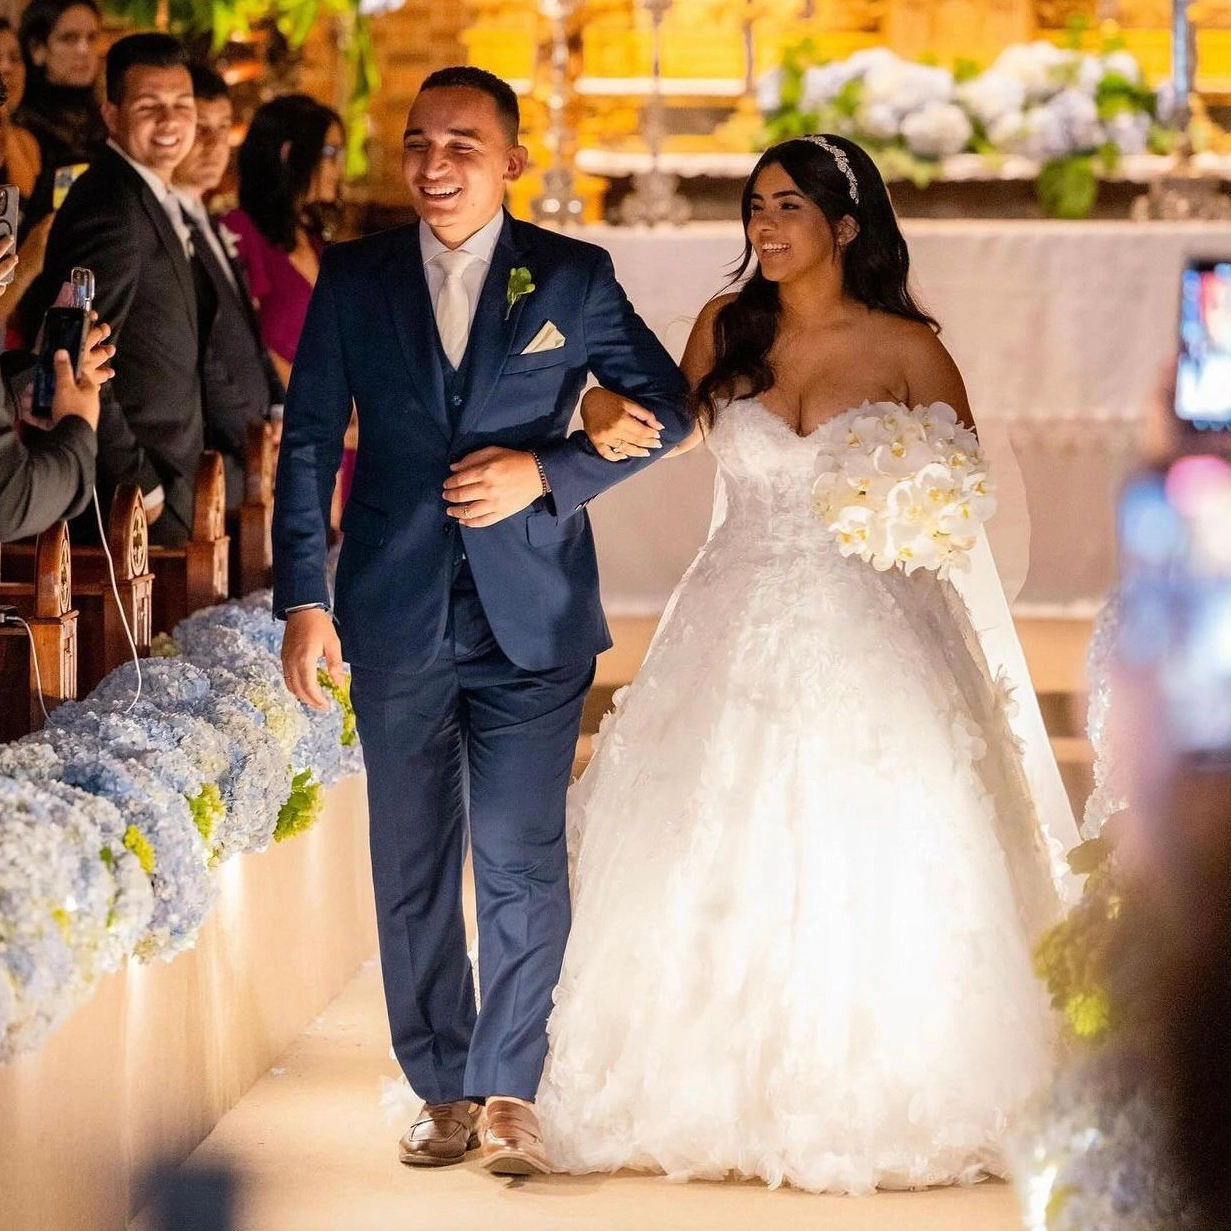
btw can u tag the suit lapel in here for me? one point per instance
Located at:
(235, 286)
(166, 233)
(415, 325)
(491, 335)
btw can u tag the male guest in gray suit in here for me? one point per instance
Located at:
(238, 382)
(467, 590)
(122, 220)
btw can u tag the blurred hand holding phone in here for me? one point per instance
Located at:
(1172, 675)
(66, 326)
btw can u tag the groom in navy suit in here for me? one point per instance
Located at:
(467, 592)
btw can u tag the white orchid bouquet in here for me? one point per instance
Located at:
(902, 488)
(1074, 112)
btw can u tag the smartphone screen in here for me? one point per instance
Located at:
(63, 329)
(9, 202)
(1203, 377)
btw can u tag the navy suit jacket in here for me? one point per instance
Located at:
(370, 336)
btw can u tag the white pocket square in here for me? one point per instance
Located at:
(547, 338)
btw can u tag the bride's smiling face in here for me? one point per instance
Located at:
(788, 230)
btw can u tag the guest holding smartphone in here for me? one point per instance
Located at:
(47, 469)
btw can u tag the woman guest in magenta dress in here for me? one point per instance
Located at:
(290, 178)
(290, 175)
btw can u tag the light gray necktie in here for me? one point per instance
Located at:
(453, 304)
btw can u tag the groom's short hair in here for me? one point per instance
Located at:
(498, 90)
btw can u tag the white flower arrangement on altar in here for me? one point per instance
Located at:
(1073, 112)
(902, 488)
(113, 818)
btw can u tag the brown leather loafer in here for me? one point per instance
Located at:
(512, 1142)
(441, 1135)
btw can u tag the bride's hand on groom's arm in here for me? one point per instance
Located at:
(492, 484)
(619, 429)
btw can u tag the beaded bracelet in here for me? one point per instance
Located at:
(542, 473)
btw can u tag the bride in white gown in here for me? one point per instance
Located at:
(809, 866)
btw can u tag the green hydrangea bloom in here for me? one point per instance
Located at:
(136, 842)
(341, 694)
(303, 809)
(208, 809)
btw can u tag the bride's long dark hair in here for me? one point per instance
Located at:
(875, 266)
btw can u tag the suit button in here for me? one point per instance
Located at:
(457, 399)
(447, 527)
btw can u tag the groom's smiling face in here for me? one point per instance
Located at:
(459, 156)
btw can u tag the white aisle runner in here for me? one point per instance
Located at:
(318, 1156)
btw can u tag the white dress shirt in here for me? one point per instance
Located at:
(481, 245)
(165, 195)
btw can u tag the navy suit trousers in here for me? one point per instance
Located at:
(470, 744)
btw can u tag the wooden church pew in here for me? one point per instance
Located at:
(195, 575)
(102, 642)
(252, 562)
(47, 606)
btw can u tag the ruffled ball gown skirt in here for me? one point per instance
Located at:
(808, 872)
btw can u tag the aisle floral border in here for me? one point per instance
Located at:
(1075, 113)
(114, 817)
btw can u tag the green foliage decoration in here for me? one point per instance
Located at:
(224, 20)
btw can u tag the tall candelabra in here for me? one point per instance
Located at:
(558, 203)
(1184, 193)
(655, 197)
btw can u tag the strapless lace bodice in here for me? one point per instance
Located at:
(768, 470)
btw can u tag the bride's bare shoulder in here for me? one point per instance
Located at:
(927, 369)
(699, 353)
(709, 314)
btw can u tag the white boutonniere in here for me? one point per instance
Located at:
(521, 284)
(230, 241)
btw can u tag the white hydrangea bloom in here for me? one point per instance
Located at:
(1039, 67)
(907, 87)
(938, 130)
(769, 91)
(1124, 64)
(1130, 132)
(992, 96)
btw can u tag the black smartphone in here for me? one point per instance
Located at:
(1203, 375)
(63, 329)
(10, 199)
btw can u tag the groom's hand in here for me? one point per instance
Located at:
(311, 636)
(490, 485)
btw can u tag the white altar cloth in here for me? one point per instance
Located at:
(1061, 331)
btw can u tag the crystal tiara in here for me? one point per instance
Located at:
(839, 156)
